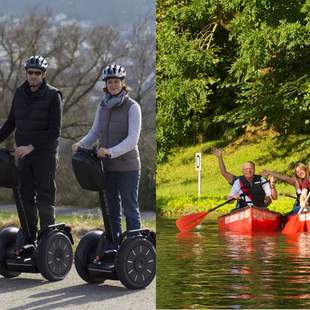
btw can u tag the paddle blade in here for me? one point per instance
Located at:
(292, 226)
(190, 221)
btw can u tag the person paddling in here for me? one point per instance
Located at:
(231, 178)
(304, 196)
(250, 189)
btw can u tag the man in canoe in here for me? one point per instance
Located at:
(252, 190)
(231, 178)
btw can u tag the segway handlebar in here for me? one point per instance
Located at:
(91, 152)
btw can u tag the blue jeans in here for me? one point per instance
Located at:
(296, 208)
(122, 192)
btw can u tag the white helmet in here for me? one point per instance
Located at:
(36, 62)
(113, 71)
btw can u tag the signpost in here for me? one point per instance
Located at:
(198, 168)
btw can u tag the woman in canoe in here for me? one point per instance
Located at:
(301, 174)
(305, 192)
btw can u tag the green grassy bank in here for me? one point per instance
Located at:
(176, 187)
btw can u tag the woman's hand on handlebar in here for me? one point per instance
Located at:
(103, 153)
(76, 146)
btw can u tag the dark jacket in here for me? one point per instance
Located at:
(35, 117)
(114, 131)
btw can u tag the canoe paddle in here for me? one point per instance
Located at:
(292, 226)
(190, 221)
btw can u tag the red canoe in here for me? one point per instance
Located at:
(250, 219)
(302, 221)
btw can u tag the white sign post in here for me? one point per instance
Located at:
(198, 168)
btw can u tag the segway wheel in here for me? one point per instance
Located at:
(54, 256)
(85, 254)
(7, 249)
(136, 263)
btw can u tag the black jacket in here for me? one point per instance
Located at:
(35, 117)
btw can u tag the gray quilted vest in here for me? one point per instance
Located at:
(114, 131)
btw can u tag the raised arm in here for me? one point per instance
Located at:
(284, 178)
(227, 175)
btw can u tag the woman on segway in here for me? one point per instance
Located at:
(117, 126)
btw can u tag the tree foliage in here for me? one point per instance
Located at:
(223, 65)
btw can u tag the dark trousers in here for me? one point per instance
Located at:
(36, 192)
(122, 192)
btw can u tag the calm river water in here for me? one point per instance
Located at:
(208, 269)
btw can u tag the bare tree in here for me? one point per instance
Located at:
(77, 56)
(141, 64)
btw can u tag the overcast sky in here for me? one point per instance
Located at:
(112, 12)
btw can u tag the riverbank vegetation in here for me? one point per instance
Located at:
(177, 178)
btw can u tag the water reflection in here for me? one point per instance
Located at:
(298, 245)
(190, 243)
(225, 270)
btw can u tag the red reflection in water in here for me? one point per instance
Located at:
(189, 235)
(242, 296)
(298, 245)
(246, 249)
(189, 242)
(299, 296)
(298, 279)
(244, 246)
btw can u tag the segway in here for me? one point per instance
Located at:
(134, 263)
(51, 254)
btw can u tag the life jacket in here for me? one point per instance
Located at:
(297, 201)
(254, 191)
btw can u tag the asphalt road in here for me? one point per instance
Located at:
(31, 291)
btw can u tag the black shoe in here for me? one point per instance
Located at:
(26, 250)
(110, 252)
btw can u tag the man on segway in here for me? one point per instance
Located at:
(35, 116)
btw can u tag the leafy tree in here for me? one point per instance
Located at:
(223, 65)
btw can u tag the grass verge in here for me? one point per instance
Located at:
(80, 224)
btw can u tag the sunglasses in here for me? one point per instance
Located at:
(31, 72)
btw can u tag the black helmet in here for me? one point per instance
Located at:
(113, 71)
(36, 62)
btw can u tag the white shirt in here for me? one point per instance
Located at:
(236, 190)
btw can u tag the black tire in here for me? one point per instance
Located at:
(7, 245)
(54, 256)
(85, 254)
(136, 263)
